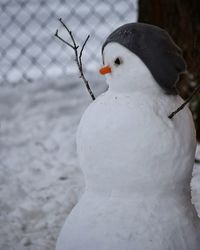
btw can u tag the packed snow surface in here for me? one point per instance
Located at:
(195, 183)
(137, 165)
(137, 194)
(40, 181)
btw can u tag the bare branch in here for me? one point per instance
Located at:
(197, 89)
(81, 52)
(197, 161)
(78, 56)
(60, 38)
(69, 31)
(87, 86)
(81, 69)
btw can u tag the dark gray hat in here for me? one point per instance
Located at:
(155, 48)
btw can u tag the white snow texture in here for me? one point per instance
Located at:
(40, 180)
(137, 164)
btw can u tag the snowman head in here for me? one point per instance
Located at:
(141, 56)
(125, 71)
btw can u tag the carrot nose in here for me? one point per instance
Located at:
(105, 70)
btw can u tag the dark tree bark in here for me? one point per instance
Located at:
(181, 18)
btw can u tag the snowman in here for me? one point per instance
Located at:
(136, 161)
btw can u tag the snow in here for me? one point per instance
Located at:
(195, 183)
(40, 180)
(137, 165)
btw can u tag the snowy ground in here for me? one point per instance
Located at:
(40, 181)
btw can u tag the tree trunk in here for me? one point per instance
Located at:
(181, 18)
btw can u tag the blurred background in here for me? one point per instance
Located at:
(29, 50)
(182, 20)
(42, 100)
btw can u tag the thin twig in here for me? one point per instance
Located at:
(78, 56)
(197, 161)
(56, 34)
(81, 69)
(197, 89)
(81, 52)
(69, 31)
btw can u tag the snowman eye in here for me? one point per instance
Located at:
(118, 61)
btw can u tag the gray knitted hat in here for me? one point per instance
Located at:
(155, 48)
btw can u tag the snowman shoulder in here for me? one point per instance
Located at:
(88, 115)
(195, 188)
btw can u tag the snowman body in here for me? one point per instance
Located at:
(137, 165)
(136, 161)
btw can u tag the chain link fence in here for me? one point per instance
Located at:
(28, 47)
